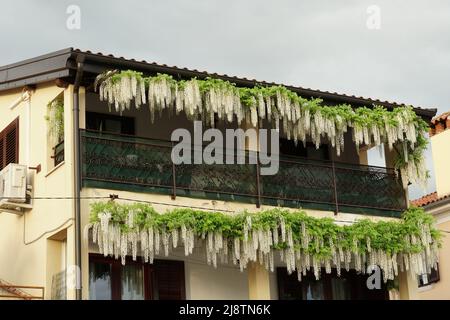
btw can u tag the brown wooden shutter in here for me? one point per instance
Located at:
(1, 152)
(169, 280)
(9, 144)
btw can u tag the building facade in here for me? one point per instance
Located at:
(435, 285)
(77, 152)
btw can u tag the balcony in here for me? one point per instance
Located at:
(144, 165)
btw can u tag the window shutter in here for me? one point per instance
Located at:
(169, 280)
(9, 144)
(1, 152)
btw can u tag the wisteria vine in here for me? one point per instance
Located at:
(303, 242)
(55, 119)
(299, 118)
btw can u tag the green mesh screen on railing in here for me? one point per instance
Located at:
(144, 165)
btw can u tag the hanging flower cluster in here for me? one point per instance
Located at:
(119, 89)
(55, 119)
(303, 242)
(299, 118)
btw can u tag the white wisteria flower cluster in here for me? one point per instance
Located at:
(303, 243)
(299, 119)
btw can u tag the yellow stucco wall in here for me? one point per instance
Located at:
(36, 263)
(440, 147)
(440, 144)
(26, 254)
(441, 289)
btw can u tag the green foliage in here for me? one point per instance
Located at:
(116, 77)
(391, 237)
(400, 127)
(55, 119)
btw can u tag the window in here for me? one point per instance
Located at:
(132, 282)
(110, 280)
(290, 148)
(100, 282)
(55, 129)
(168, 280)
(58, 154)
(427, 279)
(349, 286)
(9, 144)
(109, 123)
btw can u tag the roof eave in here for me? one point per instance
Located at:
(40, 69)
(97, 63)
(61, 64)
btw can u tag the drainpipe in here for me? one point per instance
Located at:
(77, 173)
(28, 125)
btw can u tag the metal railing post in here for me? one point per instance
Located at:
(258, 184)
(174, 180)
(335, 188)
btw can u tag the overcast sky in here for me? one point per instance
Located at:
(323, 45)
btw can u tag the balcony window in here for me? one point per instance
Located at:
(109, 123)
(429, 278)
(132, 282)
(349, 286)
(290, 148)
(100, 280)
(58, 154)
(55, 130)
(110, 280)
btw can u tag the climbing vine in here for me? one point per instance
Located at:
(55, 119)
(302, 242)
(298, 117)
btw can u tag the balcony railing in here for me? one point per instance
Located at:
(144, 165)
(58, 153)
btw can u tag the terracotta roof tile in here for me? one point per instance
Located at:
(440, 123)
(441, 117)
(315, 91)
(427, 199)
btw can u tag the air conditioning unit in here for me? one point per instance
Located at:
(13, 188)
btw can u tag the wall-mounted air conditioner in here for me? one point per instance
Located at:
(13, 188)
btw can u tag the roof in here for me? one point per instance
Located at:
(442, 117)
(440, 123)
(428, 199)
(62, 64)
(43, 68)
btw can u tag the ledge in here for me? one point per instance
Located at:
(425, 288)
(54, 169)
